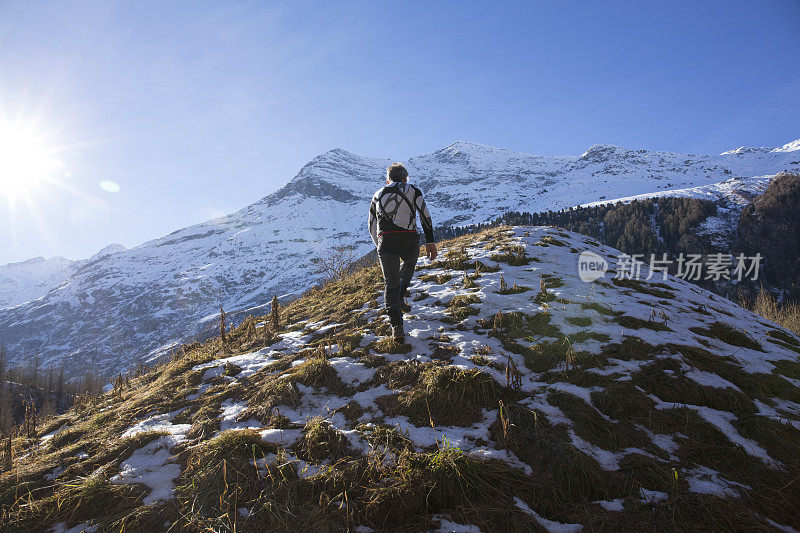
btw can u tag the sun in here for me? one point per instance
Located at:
(26, 160)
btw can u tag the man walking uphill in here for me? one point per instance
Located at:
(393, 227)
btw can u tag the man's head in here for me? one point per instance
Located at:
(396, 172)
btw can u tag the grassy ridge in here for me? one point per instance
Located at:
(342, 472)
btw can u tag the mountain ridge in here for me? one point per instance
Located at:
(130, 305)
(28, 280)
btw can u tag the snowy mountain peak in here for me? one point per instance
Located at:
(602, 149)
(789, 147)
(748, 150)
(469, 146)
(28, 280)
(476, 149)
(108, 250)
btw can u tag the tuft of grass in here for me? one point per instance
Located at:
(755, 384)
(552, 281)
(680, 389)
(447, 479)
(54, 424)
(580, 321)
(513, 256)
(622, 400)
(787, 368)
(459, 307)
(320, 441)
(431, 400)
(66, 438)
(543, 296)
(77, 499)
(439, 279)
(268, 393)
(780, 439)
(631, 322)
(514, 289)
(316, 372)
(382, 436)
(727, 334)
(546, 356)
(592, 427)
(445, 352)
(389, 345)
(372, 360)
(583, 336)
(517, 325)
(549, 240)
(645, 288)
(631, 348)
(569, 475)
(399, 374)
(221, 475)
(600, 308)
(234, 444)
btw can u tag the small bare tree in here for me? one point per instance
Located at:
(334, 262)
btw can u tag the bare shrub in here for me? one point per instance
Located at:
(334, 262)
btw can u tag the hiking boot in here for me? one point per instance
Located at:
(398, 334)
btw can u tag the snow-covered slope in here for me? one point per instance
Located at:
(31, 279)
(738, 191)
(138, 301)
(523, 400)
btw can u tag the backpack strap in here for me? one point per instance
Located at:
(396, 191)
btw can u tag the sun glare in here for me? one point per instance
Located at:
(26, 160)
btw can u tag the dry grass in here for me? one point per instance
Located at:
(659, 290)
(512, 255)
(221, 475)
(321, 441)
(728, 335)
(631, 322)
(445, 395)
(396, 485)
(460, 308)
(766, 305)
(580, 321)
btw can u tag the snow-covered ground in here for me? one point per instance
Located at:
(586, 313)
(679, 300)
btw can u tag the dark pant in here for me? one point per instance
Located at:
(398, 255)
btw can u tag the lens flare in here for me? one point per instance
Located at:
(26, 161)
(109, 186)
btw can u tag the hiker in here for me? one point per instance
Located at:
(393, 227)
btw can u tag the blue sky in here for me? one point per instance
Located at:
(196, 109)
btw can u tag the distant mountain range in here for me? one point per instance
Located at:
(114, 310)
(31, 279)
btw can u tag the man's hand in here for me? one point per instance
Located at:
(430, 251)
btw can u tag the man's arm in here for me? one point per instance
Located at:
(424, 217)
(427, 226)
(373, 221)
